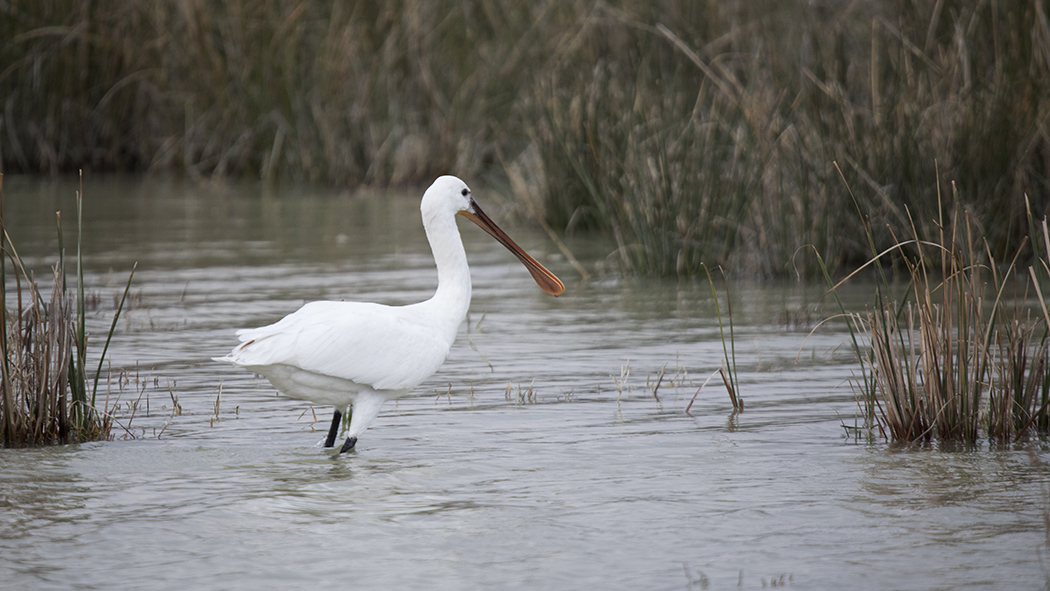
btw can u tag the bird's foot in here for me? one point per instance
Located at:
(349, 445)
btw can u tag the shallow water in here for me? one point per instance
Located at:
(537, 457)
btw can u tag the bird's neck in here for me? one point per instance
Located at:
(452, 297)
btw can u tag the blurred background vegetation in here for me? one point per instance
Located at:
(689, 131)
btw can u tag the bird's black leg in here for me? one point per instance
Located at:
(349, 445)
(332, 432)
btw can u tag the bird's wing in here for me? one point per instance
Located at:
(383, 347)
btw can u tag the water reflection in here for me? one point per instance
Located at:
(39, 490)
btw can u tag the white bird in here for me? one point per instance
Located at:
(359, 354)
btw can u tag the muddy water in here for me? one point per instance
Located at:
(539, 456)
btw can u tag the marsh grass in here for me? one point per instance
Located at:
(705, 133)
(37, 349)
(689, 133)
(342, 93)
(727, 336)
(728, 370)
(963, 353)
(46, 397)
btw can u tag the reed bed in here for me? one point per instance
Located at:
(708, 132)
(344, 93)
(963, 354)
(45, 394)
(690, 133)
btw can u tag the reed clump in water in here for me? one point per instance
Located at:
(45, 395)
(37, 348)
(964, 354)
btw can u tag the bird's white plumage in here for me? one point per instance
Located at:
(363, 344)
(360, 354)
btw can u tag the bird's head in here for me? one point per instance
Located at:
(448, 195)
(451, 196)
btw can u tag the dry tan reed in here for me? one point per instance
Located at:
(35, 376)
(965, 355)
(45, 398)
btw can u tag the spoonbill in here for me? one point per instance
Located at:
(358, 355)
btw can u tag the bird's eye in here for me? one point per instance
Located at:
(466, 192)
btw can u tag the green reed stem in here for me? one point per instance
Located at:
(728, 351)
(82, 412)
(112, 329)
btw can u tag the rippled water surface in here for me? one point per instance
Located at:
(538, 457)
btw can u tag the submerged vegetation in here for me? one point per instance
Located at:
(45, 394)
(690, 133)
